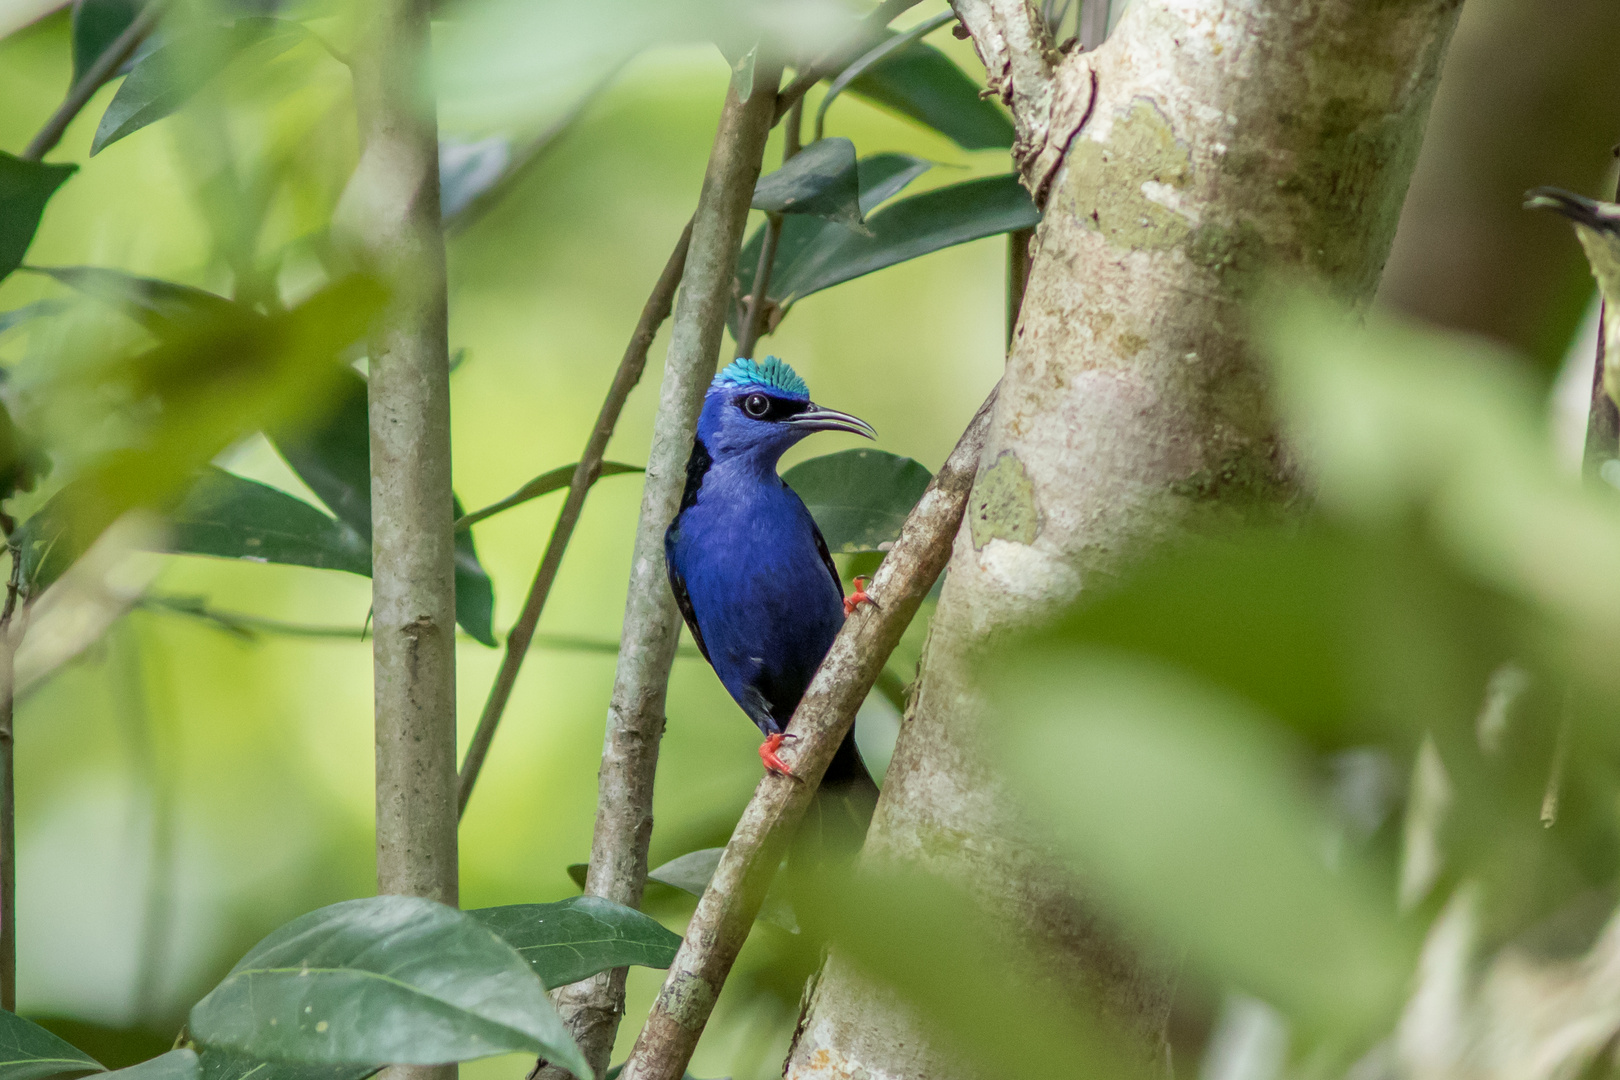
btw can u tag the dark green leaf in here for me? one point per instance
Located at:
(576, 938)
(235, 518)
(386, 979)
(911, 227)
(96, 25)
(28, 1052)
(334, 459)
(167, 77)
(881, 177)
(920, 82)
(25, 187)
(175, 1065)
(163, 307)
(547, 482)
(578, 870)
(859, 498)
(219, 1063)
(692, 872)
(819, 180)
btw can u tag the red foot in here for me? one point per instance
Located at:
(767, 754)
(858, 597)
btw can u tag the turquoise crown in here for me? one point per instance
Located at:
(773, 374)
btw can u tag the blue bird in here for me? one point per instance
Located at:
(748, 567)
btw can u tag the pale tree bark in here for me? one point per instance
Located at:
(1204, 146)
(392, 208)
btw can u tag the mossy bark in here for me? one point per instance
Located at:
(1204, 148)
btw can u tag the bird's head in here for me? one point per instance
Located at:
(1597, 224)
(764, 408)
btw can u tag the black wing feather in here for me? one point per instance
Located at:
(683, 600)
(826, 557)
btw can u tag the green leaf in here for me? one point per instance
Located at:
(235, 518)
(96, 25)
(166, 78)
(859, 498)
(547, 482)
(922, 83)
(909, 228)
(468, 169)
(692, 872)
(175, 1065)
(25, 187)
(29, 1052)
(394, 979)
(39, 309)
(165, 308)
(219, 1063)
(577, 872)
(334, 459)
(576, 938)
(819, 180)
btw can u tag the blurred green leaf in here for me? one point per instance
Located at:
(29, 1052)
(162, 307)
(468, 169)
(175, 1065)
(385, 979)
(859, 498)
(167, 77)
(235, 518)
(576, 938)
(96, 25)
(25, 187)
(819, 180)
(908, 229)
(1183, 804)
(209, 387)
(547, 482)
(334, 459)
(922, 83)
(692, 872)
(218, 1063)
(39, 309)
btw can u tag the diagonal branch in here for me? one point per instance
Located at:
(724, 915)
(99, 74)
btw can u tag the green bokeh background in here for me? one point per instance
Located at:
(182, 792)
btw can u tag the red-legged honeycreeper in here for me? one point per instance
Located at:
(749, 568)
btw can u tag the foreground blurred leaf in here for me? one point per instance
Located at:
(39, 309)
(692, 872)
(386, 979)
(859, 498)
(922, 83)
(165, 308)
(167, 77)
(547, 482)
(29, 1052)
(334, 459)
(175, 1065)
(204, 390)
(468, 169)
(1174, 797)
(96, 25)
(235, 518)
(25, 187)
(218, 1063)
(576, 938)
(819, 180)
(908, 229)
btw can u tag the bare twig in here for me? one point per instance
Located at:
(727, 910)
(869, 34)
(106, 66)
(618, 865)
(653, 314)
(8, 790)
(754, 316)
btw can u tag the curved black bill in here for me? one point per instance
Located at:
(816, 418)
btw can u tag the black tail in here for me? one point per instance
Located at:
(835, 826)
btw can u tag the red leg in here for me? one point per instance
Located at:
(767, 754)
(858, 597)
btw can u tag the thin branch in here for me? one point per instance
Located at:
(869, 34)
(861, 64)
(618, 864)
(653, 314)
(546, 482)
(729, 905)
(754, 316)
(8, 789)
(101, 72)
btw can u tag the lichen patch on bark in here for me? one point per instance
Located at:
(1121, 185)
(1002, 506)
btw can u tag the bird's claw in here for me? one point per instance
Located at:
(858, 597)
(767, 754)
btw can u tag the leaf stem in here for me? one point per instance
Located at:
(8, 789)
(869, 34)
(653, 314)
(101, 72)
(721, 923)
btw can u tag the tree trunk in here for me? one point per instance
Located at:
(392, 205)
(1200, 148)
(1530, 96)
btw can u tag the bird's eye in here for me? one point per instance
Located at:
(756, 405)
